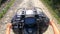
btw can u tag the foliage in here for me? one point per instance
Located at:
(54, 5)
(6, 8)
(2, 1)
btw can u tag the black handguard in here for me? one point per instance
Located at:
(43, 23)
(17, 22)
(39, 18)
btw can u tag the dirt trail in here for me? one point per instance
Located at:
(21, 4)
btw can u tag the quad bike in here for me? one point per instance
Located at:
(30, 21)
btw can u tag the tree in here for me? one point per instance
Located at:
(2, 1)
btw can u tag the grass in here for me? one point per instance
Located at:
(53, 12)
(6, 8)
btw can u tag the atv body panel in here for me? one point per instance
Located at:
(30, 21)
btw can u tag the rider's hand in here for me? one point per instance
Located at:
(51, 22)
(9, 25)
(55, 29)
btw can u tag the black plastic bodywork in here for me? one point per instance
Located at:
(40, 25)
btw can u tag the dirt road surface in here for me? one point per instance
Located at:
(27, 4)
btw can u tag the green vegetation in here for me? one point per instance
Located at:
(54, 7)
(6, 8)
(2, 1)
